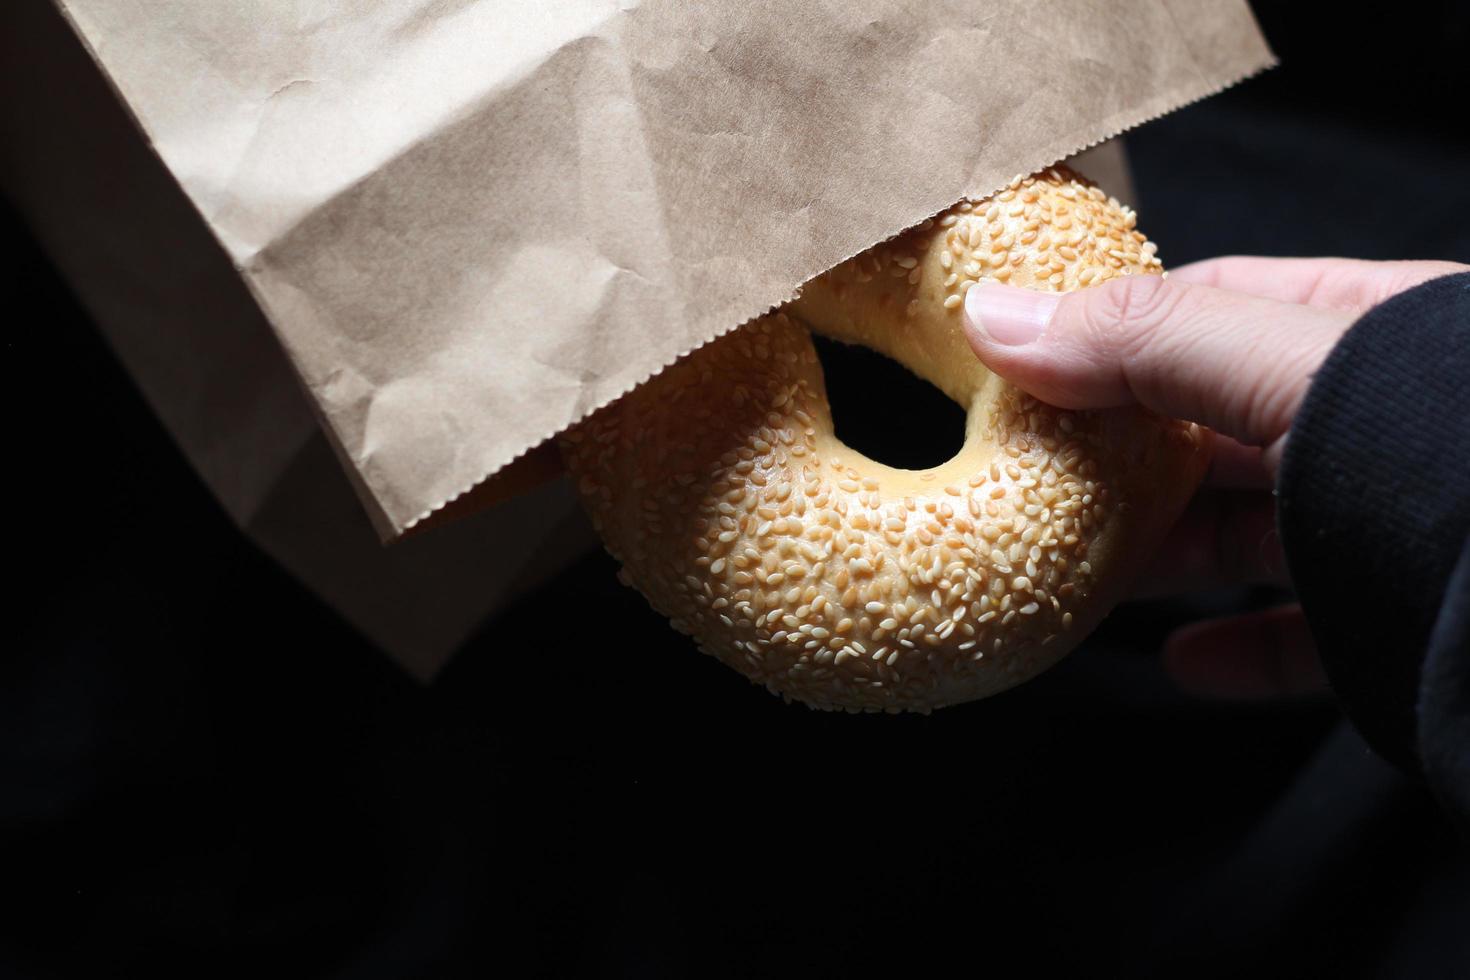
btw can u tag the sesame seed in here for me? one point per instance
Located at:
(706, 507)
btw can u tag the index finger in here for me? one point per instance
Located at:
(1350, 285)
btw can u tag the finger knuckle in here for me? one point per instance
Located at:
(1127, 313)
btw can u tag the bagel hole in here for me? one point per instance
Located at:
(886, 412)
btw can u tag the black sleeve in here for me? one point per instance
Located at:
(1374, 511)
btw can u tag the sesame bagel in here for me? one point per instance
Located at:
(844, 583)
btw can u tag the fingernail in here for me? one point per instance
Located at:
(1272, 558)
(1009, 315)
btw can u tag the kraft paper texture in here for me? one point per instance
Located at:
(468, 225)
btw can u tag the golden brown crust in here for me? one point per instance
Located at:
(844, 583)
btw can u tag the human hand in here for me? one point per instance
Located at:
(1232, 344)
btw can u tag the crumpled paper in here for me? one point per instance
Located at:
(468, 225)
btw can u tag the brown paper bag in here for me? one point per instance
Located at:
(467, 226)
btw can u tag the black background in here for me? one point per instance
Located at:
(203, 770)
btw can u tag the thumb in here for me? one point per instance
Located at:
(1236, 363)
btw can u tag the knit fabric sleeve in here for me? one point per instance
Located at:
(1374, 511)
